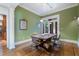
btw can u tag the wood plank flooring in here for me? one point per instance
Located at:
(27, 49)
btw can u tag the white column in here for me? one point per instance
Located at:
(48, 27)
(78, 30)
(54, 27)
(10, 29)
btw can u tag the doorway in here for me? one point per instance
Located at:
(3, 39)
(51, 25)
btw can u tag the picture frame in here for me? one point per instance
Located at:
(23, 24)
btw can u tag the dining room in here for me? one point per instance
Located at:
(42, 29)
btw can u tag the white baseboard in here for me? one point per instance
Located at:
(12, 47)
(65, 40)
(71, 41)
(20, 42)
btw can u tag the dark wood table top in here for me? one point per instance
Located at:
(43, 36)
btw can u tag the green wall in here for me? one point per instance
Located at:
(33, 21)
(68, 25)
(78, 24)
(78, 9)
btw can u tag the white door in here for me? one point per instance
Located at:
(53, 25)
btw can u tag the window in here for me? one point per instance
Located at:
(52, 25)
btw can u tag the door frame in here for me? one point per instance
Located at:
(3, 12)
(6, 27)
(51, 17)
(49, 22)
(9, 12)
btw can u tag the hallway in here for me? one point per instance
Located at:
(0, 47)
(2, 44)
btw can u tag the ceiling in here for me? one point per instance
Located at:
(9, 4)
(43, 9)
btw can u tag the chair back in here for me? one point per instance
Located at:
(56, 38)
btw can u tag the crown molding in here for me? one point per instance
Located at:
(29, 9)
(61, 9)
(48, 13)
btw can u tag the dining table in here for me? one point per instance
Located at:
(43, 40)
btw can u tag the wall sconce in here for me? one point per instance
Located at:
(78, 20)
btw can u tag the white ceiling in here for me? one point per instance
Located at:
(9, 4)
(43, 9)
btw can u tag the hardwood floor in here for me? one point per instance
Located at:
(26, 49)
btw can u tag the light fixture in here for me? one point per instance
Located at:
(41, 21)
(49, 5)
(78, 20)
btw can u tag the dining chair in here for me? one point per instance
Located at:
(56, 42)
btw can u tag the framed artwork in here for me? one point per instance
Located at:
(23, 24)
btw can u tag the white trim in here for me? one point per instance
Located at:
(20, 42)
(11, 28)
(29, 9)
(78, 42)
(3, 12)
(70, 41)
(52, 11)
(51, 17)
(27, 40)
(60, 9)
(10, 24)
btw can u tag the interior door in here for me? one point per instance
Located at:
(51, 27)
(4, 27)
(54, 26)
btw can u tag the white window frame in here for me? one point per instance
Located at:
(51, 17)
